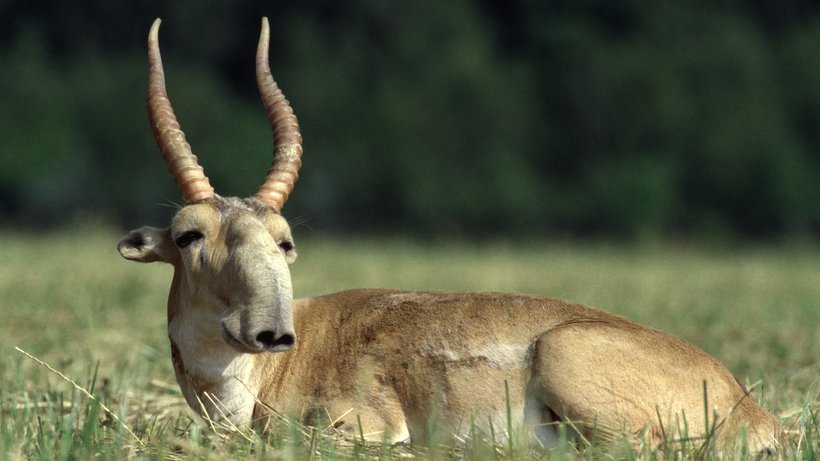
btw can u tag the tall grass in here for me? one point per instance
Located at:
(69, 300)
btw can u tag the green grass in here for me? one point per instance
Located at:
(70, 300)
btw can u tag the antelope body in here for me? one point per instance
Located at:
(401, 363)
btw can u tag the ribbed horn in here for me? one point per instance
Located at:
(287, 141)
(182, 163)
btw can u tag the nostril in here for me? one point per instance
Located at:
(271, 342)
(287, 340)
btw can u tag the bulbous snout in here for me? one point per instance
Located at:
(260, 317)
(259, 313)
(252, 334)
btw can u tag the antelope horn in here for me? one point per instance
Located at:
(287, 141)
(182, 163)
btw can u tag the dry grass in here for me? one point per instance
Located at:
(69, 300)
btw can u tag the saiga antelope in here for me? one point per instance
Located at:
(399, 361)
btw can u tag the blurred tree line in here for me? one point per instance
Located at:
(632, 119)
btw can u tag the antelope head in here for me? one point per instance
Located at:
(230, 255)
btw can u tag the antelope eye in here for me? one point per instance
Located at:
(286, 245)
(186, 238)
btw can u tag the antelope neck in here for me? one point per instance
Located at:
(216, 380)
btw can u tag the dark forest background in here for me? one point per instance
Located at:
(574, 118)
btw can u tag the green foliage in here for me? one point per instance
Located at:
(638, 120)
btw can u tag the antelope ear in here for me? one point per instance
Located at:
(147, 244)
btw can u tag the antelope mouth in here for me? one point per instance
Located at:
(266, 341)
(238, 344)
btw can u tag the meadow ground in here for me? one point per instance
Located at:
(70, 300)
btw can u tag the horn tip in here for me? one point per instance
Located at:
(264, 40)
(154, 33)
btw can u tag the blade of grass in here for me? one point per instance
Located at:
(84, 392)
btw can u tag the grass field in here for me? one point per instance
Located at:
(70, 300)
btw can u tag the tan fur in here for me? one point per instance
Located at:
(406, 363)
